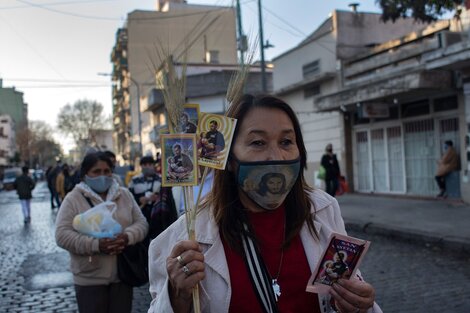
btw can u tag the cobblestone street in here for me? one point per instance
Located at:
(34, 275)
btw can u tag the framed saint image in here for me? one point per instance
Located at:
(179, 167)
(214, 137)
(340, 259)
(189, 119)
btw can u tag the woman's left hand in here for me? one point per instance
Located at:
(353, 295)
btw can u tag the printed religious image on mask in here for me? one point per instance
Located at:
(267, 183)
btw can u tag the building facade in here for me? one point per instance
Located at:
(12, 104)
(313, 69)
(186, 33)
(206, 85)
(7, 139)
(402, 100)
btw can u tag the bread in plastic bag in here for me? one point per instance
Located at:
(98, 221)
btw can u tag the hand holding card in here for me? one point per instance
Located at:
(339, 260)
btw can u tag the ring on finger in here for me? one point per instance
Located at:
(179, 258)
(186, 270)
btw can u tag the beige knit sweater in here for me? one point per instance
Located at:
(88, 265)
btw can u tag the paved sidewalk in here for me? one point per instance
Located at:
(439, 222)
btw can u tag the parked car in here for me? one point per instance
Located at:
(9, 176)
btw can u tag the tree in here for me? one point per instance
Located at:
(36, 145)
(421, 10)
(78, 119)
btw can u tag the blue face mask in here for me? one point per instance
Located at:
(99, 184)
(267, 183)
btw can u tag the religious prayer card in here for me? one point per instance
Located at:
(215, 133)
(340, 259)
(179, 160)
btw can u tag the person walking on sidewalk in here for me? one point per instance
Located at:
(332, 172)
(447, 164)
(93, 261)
(24, 185)
(64, 182)
(51, 176)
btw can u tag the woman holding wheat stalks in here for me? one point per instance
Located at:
(236, 235)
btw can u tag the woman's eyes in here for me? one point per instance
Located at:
(283, 142)
(256, 143)
(287, 142)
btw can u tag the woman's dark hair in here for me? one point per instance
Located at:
(229, 213)
(263, 184)
(90, 160)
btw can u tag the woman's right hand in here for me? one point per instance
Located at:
(185, 268)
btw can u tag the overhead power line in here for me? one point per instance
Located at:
(53, 4)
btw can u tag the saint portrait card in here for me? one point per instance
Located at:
(189, 119)
(179, 160)
(340, 259)
(214, 137)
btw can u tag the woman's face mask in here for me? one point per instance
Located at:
(267, 183)
(148, 171)
(99, 184)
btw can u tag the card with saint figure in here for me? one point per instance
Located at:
(214, 137)
(189, 119)
(179, 167)
(340, 259)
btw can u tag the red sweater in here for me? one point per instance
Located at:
(294, 271)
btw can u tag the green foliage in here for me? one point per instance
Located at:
(421, 10)
(78, 119)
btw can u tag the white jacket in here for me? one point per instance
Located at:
(216, 291)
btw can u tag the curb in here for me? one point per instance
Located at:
(451, 243)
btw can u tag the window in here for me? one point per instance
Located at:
(415, 108)
(310, 69)
(212, 56)
(444, 104)
(311, 91)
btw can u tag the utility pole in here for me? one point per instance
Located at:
(264, 87)
(242, 44)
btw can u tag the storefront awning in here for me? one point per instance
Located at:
(385, 87)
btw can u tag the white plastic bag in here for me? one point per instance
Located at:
(98, 221)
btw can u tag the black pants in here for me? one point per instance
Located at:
(113, 298)
(441, 182)
(54, 196)
(331, 186)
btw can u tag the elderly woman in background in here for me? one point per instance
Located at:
(94, 260)
(241, 237)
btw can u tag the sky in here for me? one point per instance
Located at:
(52, 50)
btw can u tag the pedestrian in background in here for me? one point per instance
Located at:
(448, 163)
(145, 187)
(116, 177)
(249, 255)
(24, 186)
(332, 172)
(51, 176)
(64, 182)
(93, 261)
